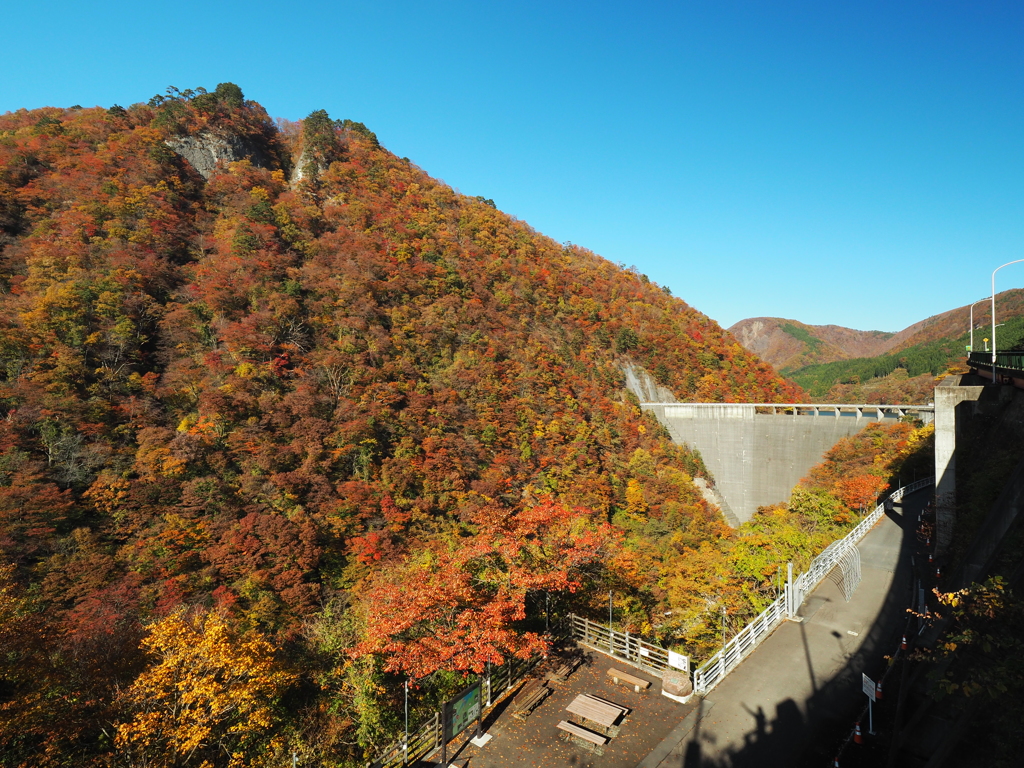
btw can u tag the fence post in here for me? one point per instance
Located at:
(790, 597)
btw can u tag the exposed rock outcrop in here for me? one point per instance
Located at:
(205, 150)
(640, 382)
(305, 166)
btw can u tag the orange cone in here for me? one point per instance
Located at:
(903, 643)
(858, 738)
(878, 691)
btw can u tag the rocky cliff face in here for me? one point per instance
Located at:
(205, 150)
(643, 385)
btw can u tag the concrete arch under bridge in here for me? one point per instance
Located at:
(757, 452)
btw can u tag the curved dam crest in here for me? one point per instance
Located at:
(757, 457)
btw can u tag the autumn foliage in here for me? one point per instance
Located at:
(305, 427)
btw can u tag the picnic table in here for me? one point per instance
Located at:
(599, 711)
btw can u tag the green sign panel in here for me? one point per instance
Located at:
(460, 712)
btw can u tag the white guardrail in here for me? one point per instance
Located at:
(711, 672)
(628, 648)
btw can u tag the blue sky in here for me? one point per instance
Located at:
(860, 164)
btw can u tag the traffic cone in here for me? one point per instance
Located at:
(938, 573)
(929, 558)
(878, 691)
(903, 643)
(835, 763)
(858, 738)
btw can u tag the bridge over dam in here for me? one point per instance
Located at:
(757, 452)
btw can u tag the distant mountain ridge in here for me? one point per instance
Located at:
(844, 365)
(789, 344)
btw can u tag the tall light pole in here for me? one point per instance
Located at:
(972, 319)
(1016, 261)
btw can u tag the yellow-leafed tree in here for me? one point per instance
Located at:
(208, 700)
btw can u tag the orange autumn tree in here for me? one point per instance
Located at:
(452, 605)
(208, 700)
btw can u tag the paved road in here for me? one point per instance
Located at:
(795, 698)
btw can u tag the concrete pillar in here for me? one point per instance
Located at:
(948, 395)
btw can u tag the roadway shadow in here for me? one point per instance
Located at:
(811, 734)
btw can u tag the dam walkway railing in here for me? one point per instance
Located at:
(748, 410)
(711, 672)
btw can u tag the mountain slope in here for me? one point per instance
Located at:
(790, 344)
(272, 383)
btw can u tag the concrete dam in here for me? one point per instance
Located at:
(756, 453)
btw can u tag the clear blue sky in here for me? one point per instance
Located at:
(852, 163)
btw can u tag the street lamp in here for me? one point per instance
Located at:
(1016, 261)
(972, 319)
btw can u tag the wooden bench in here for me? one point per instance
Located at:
(618, 676)
(583, 733)
(560, 673)
(529, 698)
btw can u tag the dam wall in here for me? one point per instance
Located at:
(754, 457)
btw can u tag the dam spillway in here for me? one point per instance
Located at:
(756, 453)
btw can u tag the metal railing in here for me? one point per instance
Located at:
(830, 558)
(711, 672)
(628, 648)
(426, 739)
(749, 410)
(1011, 361)
(733, 652)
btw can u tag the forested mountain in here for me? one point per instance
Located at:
(286, 422)
(840, 365)
(790, 344)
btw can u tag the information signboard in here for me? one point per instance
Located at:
(679, 661)
(460, 712)
(868, 686)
